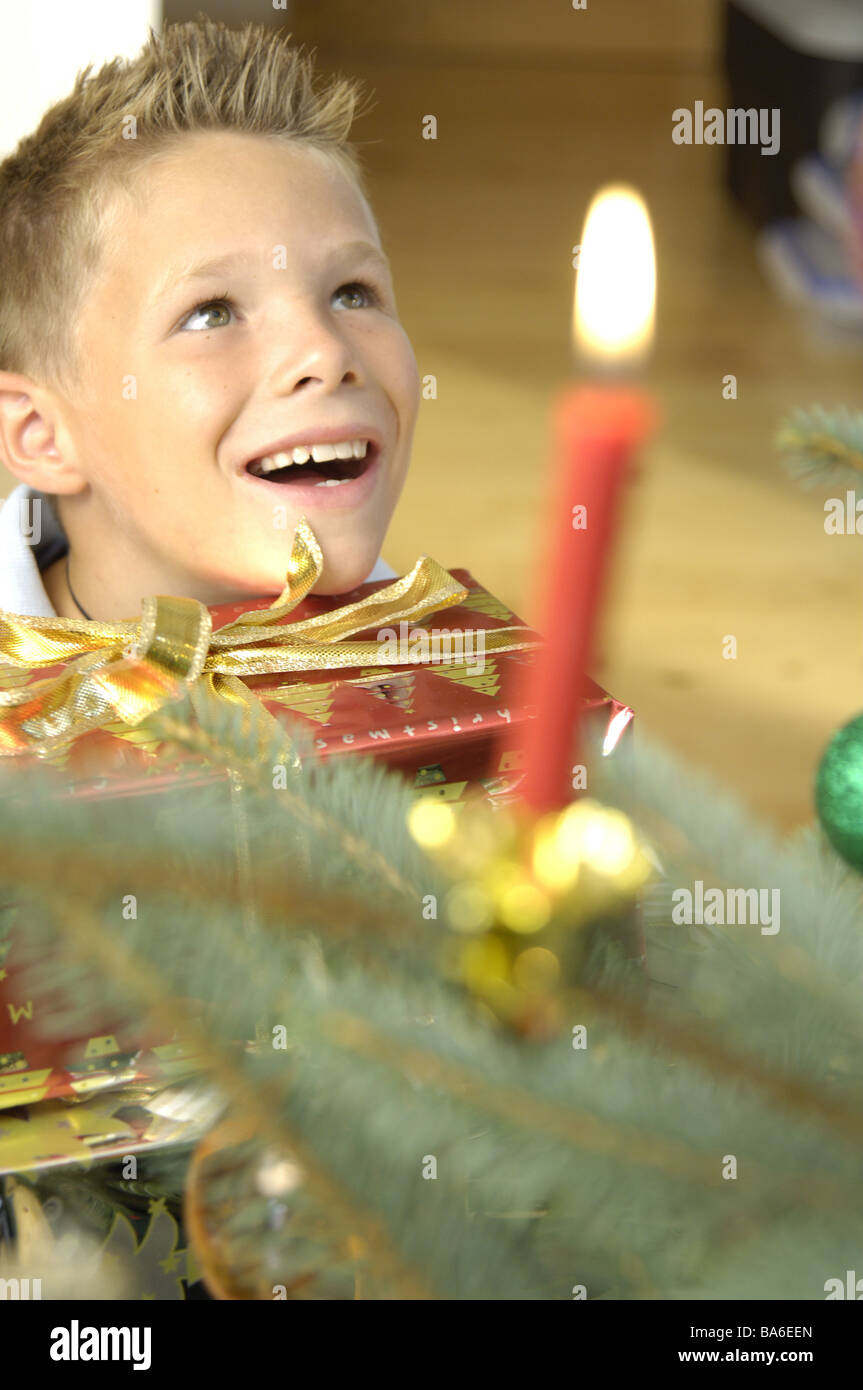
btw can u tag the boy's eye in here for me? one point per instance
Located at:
(360, 288)
(218, 313)
(206, 311)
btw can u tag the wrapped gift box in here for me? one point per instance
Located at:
(454, 730)
(135, 1119)
(140, 1237)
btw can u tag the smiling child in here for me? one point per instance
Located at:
(199, 339)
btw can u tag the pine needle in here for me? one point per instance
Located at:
(823, 447)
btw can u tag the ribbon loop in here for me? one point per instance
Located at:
(175, 635)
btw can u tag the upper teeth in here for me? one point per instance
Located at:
(319, 453)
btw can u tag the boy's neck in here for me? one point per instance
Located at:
(55, 579)
(57, 589)
(124, 596)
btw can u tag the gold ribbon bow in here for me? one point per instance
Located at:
(125, 671)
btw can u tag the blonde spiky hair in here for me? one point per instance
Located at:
(54, 188)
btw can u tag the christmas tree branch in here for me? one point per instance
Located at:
(578, 1157)
(84, 870)
(225, 737)
(258, 1102)
(821, 950)
(577, 1127)
(823, 447)
(678, 1038)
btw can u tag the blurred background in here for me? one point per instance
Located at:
(537, 105)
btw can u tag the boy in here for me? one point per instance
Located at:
(199, 341)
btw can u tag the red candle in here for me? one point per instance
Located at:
(598, 430)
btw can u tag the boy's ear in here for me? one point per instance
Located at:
(35, 445)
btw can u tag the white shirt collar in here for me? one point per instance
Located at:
(32, 538)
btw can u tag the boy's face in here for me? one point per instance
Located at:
(297, 332)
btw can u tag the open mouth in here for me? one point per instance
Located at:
(324, 465)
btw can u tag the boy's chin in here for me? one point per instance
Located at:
(341, 583)
(340, 576)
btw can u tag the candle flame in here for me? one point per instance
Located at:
(615, 293)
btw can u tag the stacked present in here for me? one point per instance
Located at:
(423, 674)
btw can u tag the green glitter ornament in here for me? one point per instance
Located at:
(839, 792)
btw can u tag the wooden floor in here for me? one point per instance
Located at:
(479, 226)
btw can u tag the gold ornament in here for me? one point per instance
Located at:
(523, 889)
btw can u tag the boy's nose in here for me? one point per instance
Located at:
(319, 355)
